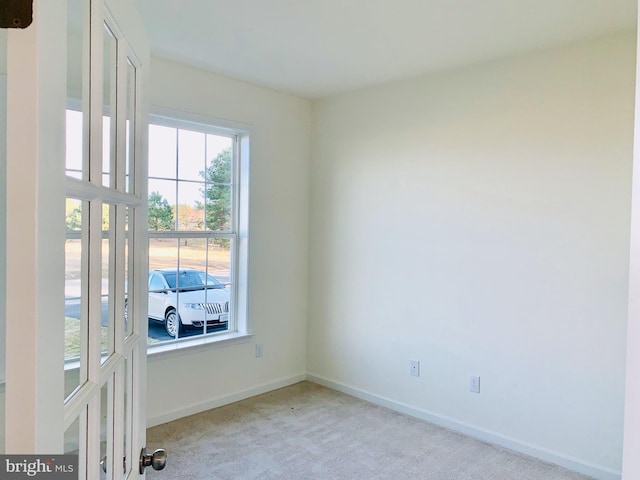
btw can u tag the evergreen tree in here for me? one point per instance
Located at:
(218, 193)
(160, 213)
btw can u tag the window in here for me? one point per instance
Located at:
(198, 204)
(197, 207)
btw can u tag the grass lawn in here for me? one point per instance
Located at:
(72, 337)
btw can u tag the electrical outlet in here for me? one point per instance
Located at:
(474, 384)
(259, 350)
(415, 368)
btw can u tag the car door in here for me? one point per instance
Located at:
(158, 295)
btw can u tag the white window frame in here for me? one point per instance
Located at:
(241, 329)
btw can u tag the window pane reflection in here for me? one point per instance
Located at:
(130, 134)
(74, 143)
(107, 292)
(75, 292)
(76, 12)
(109, 93)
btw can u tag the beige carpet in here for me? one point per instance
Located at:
(306, 432)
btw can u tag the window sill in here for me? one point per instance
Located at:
(196, 345)
(182, 347)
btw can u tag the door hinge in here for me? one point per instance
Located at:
(16, 13)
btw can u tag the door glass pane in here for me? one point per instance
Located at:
(72, 437)
(128, 266)
(74, 143)
(3, 223)
(130, 134)
(128, 388)
(75, 292)
(75, 438)
(109, 93)
(106, 421)
(75, 62)
(107, 323)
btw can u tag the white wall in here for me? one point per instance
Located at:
(278, 272)
(631, 459)
(3, 203)
(478, 221)
(3, 223)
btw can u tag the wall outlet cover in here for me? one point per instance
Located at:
(474, 384)
(415, 368)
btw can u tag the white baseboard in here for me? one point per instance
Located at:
(597, 471)
(224, 400)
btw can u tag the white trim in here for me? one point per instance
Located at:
(631, 442)
(241, 248)
(578, 465)
(224, 400)
(3, 221)
(170, 117)
(36, 97)
(191, 345)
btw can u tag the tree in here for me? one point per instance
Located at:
(160, 213)
(189, 217)
(73, 214)
(218, 193)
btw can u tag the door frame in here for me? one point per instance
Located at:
(36, 90)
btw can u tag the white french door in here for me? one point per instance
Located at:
(76, 221)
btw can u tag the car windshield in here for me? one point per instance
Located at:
(211, 282)
(191, 280)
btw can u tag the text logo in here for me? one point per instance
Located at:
(50, 467)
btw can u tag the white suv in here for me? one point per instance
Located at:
(187, 297)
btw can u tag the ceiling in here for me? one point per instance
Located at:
(316, 48)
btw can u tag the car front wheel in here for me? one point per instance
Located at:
(172, 323)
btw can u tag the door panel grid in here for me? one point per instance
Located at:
(100, 410)
(57, 64)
